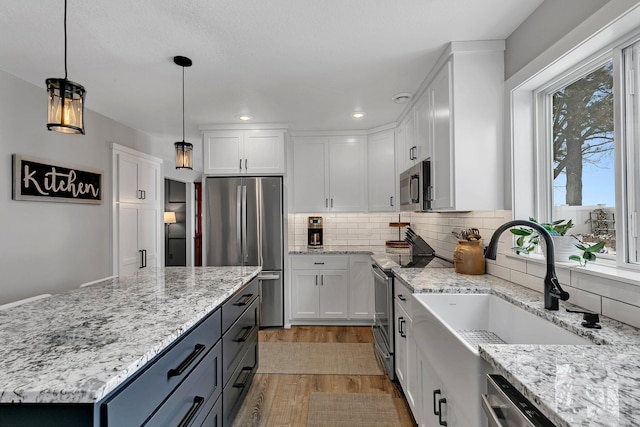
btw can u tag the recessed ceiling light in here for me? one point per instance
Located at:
(245, 117)
(358, 114)
(402, 98)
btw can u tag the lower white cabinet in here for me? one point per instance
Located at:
(319, 294)
(333, 287)
(360, 287)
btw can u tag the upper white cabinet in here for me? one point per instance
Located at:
(381, 172)
(138, 179)
(466, 96)
(329, 174)
(233, 152)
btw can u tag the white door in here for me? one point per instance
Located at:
(148, 178)
(334, 302)
(148, 236)
(127, 179)
(382, 172)
(347, 174)
(222, 152)
(305, 289)
(423, 114)
(400, 342)
(129, 257)
(264, 152)
(310, 167)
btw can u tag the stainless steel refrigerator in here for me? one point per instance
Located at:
(243, 226)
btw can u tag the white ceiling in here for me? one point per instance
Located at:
(309, 63)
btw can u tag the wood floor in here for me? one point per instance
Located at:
(282, 400)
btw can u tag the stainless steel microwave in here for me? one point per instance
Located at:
(415, 187)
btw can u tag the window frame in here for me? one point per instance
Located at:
(543, 132)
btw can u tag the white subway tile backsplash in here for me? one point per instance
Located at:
(498, 271)
(626, 313)
(527, 280)
(586, 300)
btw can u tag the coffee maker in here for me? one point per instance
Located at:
(314, 232)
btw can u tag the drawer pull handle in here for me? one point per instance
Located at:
(247, 332)
(174, 372)
(319, 263)
(436, 411)
(243, 383)
(440, 402)
(401, 297)
(246, 297)
(193, 410)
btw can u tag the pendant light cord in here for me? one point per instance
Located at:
(182, 102)
(65, 39)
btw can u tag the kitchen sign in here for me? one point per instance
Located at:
(35, 180)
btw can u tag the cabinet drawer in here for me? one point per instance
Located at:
(136, 401)
(238, 338)
(320, 262)
(238, 303)
(214, 417)
(402, 295)
(235, 391)
(193, 399)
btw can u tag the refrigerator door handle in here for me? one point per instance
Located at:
(239, 219)
(260, 205)
(245, 254)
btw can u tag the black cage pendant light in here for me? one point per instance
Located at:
(66, 98)
(184, 150)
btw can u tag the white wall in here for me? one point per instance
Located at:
(552, 20)
(50, 247)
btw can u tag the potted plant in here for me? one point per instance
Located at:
(528, 239)
(588, 253)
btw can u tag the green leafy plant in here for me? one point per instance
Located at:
(528, 238)
(588, 253)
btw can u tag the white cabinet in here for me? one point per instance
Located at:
(405, 345)
(466, 94)
(329, 174)
(137, 179)
(137, 220)
(319, 287)
(335, 287)
(406, 139)
(442, 165)
(360, 287)
(381, 172)
(236, 152)
(138, 237)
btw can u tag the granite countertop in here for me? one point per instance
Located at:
(585, 385)
(336, 250)
(77, 346)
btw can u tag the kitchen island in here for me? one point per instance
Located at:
(79, 347)
(573, 385)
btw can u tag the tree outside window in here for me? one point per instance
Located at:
(583, 156)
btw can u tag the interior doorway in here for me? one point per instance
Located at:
(175, 235)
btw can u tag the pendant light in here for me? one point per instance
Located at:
(184, 150)
(66, 98)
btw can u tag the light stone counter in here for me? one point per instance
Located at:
(591, 385)
(336, 250)
(77, 346)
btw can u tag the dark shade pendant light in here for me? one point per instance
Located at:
(184, 150)
(66, 99)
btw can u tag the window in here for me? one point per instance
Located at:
(578, 137)
(580, 141)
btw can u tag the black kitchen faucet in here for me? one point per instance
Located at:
(552, 289)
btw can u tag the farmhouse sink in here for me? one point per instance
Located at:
(484, 318)
(447, 329)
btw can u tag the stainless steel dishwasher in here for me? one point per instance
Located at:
(507, 407)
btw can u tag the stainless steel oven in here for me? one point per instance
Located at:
(507, 407)
(383, 318)
(415, 187)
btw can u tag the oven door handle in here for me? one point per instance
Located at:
(380, 276)
(492, 416)
(384, 354)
